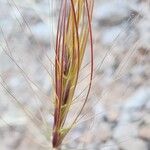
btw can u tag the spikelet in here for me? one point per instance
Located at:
(74, 29)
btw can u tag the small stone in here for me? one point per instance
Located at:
(133, 144)
(124, 130)
(110, 145)
(109, 35)
(104, 132)
(111, 13)
(116, 34)
(99, 109)
(4, 59)
(148, 106)
(41, 32)
(134, 107)
(146, 118)
(131, 116)
(138, 99)
(15, 81)
(112, 115)
(143, 28)
(144, 132)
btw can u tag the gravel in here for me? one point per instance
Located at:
(125, 127)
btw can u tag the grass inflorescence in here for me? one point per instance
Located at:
(74, 29)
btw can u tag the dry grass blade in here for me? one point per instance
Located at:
(74, 28)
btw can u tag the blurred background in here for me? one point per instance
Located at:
(117, 115)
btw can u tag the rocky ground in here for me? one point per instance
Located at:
(118, 112)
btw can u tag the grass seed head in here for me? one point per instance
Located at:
(74, 28)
